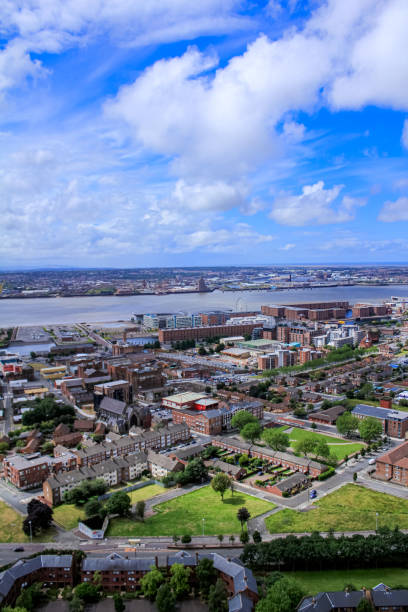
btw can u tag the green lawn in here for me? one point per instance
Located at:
(11, 527)
(183, 515)
(68, 515)
(350, 508)
(335, 580)
(146, 492)
(338, 446)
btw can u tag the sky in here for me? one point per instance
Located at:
(173, 132)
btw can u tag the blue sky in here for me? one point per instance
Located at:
(173, 132)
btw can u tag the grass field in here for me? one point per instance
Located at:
(339, 447)
(335, 580)
(350, 508)
(68, 515)
(11, 527)
(183, 515)
(146, 492)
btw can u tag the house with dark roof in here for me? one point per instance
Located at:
(234, 471)
(327, 417)
(50, 570)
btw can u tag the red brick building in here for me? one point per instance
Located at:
(208, 422)
(166, 336)
(393, 466)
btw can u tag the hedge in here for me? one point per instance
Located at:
(329, 472)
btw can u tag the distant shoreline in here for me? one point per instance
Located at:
(167, 293)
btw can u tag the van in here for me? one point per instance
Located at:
(371, 462)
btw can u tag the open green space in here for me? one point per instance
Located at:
(184, 514)
(336, 580)
(351, 508)
(146, 492)
(11, 527)
(68, 515)
(338, 446)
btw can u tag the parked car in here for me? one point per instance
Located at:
(19, 549)
(313, 494)
(371, 462)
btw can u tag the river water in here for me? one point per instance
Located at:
(40, 311)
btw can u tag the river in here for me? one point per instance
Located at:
(41, 311)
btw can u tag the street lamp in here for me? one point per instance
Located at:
(376, 521)
(203, 524)
(31, 532)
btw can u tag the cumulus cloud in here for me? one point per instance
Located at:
(394, 211)
(314, 206)
(288, 247)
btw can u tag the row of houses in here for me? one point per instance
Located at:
(287, 460)
(31, 471)
(120, 573)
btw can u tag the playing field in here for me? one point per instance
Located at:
(351, 508)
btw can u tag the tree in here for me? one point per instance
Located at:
(220, 483)
(251, 432)
(355, 476)
(180, 580)
(370, 429)
(140, 509)
(87, 592)
(244, 537)
(118, 602)
(39, 517)
(242, 418)
(151, 582)
(322, 449)
(306, 446)
(76, 604)
(3, 447)
(347, 424)
(206, 576)
(243, 516)
(186, 538)
(217, 597)
(165, 599)
(196, 471)
(257, 538)
(202, 351)
(243, 460)
(47, 448)
(92, 507)
(364, 606)
(119, 503)
(220, 538)
(283, 596)
(277, 440)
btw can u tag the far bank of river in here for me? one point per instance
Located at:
(42, 311)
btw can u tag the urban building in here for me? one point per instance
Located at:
(166, 336)
(327, 417)
(394, 422)
(161, 465)
(393, 465)
(208, 422)
(380, 598)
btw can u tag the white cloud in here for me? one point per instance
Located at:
(394, 211)
(288, 247)
(404, 136)
(314, 206)
(56, 25)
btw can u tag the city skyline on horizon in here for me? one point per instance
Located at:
(220, 134)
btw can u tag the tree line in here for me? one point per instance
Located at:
(386, 548)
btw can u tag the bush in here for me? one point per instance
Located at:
(186, 539)
(324, 475)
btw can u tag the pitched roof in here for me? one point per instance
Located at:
(114, 561)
